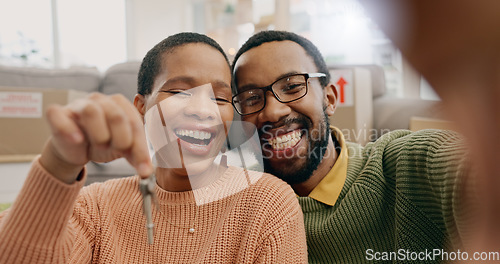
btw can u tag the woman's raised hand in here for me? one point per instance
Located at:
(98, 128)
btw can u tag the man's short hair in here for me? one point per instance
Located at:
(273, 35)
(152, 62)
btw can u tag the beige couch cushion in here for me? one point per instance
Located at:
(85, 79)
(121, 78)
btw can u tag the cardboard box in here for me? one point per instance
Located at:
(24, 129)
(419, 123)
(354, 113)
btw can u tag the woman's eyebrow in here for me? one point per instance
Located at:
(178, 79)
(192, 81)
(218, 83)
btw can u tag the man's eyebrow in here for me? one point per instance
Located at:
(254, 86)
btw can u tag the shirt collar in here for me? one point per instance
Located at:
(328, 189)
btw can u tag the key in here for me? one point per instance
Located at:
(147, 187)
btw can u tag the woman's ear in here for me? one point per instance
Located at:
(330, 99)
(140, 104)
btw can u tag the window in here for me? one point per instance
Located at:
(91, 32)
(346, 35)
(26, 33)
(86, 33)
(341, 30)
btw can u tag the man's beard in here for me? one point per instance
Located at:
(317, 147)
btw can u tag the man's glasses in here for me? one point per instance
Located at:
(287, 89)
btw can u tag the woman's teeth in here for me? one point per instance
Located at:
(196, 134)
(197, 137)
(285, 141)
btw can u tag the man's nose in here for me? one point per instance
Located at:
(274, 109)
(201, 106)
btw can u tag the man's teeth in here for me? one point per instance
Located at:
(286, 141)
(197, 134)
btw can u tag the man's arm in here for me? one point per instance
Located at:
(433, 181)
(454, 44)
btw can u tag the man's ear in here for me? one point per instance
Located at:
(140, 104)
(330, 99)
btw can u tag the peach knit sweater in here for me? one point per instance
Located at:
(239, 218)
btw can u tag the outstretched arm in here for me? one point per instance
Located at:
(454, 44)
(44, 225)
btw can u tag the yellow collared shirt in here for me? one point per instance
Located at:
(328, 189)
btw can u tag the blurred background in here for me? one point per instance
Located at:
(53, 51)
(70, 33)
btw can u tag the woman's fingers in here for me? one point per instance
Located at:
(62, 125)
(112, 124)
(64, 154)
(100, 128)
(91, 118)
(138, 154)
(118, 121)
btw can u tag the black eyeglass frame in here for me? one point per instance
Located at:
(270, 88)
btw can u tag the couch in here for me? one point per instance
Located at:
(389, 112)
(119, 78)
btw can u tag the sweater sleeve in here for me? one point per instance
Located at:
(287, 244)
(285, 239)
(434, 176)
(39, 227)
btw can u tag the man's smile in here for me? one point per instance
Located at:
(286, 140)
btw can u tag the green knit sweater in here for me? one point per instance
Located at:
(401, 195)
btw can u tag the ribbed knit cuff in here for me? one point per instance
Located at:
(42, 209)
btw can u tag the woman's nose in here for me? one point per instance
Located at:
(202, 106)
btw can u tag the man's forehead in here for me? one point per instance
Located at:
(263, 64)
